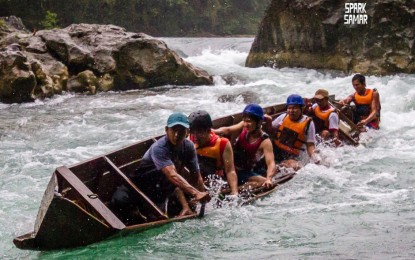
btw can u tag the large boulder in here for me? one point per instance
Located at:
(134, 60)
(17, 81)
(313, 34)
(88, 58)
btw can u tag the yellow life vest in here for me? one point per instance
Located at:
(291, 135)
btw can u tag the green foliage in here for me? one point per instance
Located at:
(50, 21)
(3, 24)
(154, 17)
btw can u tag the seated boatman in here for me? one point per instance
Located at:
(325, 119)
(158, 173)
(293, 132)
(367, 103)
(252, 147)
(215, 154)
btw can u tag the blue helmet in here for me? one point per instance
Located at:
(254, 110)
(295, 100)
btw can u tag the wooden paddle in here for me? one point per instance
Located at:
(353, 126)
(202, 210)
(344, 117)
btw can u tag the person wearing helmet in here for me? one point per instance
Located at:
(293, 132)
(367, 103)
(325, 119)
(158, 173)
(215, 154)
(253, 148)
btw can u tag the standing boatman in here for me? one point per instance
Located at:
(367, 103)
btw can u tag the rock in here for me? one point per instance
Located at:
(17, 81)
(11, 24)
(313, 34)
(244, 97)
(84, 82)
(93, 57)
(105, 83)
(44, 83)
(134, 60)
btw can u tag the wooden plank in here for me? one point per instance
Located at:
(144, 199)
(95, 203)
(354, 127)
(130, 153)
(223, 121)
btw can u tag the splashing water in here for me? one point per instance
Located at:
(360, 205)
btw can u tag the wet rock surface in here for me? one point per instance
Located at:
(314, 34)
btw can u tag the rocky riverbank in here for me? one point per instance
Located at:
(85, 58)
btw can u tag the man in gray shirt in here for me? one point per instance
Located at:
(158, 175)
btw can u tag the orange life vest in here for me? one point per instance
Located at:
(212, 154)
(323, 116)
(291, 135)
(364, 108)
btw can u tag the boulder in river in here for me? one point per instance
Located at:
(88, 58)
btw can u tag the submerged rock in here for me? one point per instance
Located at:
(88, 58)
(313, 34)
(245, 97)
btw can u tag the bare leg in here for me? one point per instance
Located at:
(253, 182)
(325, 134)
(296, 165)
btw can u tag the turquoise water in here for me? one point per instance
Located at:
(358, 204)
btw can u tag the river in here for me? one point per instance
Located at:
(358, 204)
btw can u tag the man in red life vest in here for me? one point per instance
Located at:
(325, 119)
(215, 154)
(253, 148)
(367, 103)
(293, 132)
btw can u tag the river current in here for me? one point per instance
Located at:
(358, 204)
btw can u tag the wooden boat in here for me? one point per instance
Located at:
(76, 207)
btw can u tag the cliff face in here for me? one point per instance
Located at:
(154, 17)
(378, 39)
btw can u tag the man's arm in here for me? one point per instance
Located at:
(310, 149)
(334, 124)
(229, 130)
(230, 169)
(266, 147)
(310, 143)
(171, 174)
(347, 100)
(268, 125)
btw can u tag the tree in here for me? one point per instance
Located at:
(50, 21)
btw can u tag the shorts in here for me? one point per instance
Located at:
(280, 155)
(244, 175)
(373, 125)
